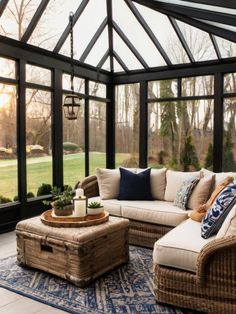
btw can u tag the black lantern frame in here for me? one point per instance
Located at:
(71, 103)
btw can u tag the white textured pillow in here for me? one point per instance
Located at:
(174, 180)
(229, 225)
(109, 182)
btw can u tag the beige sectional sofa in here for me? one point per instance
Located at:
(149, 220)
(189, 271)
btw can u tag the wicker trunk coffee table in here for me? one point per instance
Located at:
(76, 254)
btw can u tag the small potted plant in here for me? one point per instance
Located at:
(61, 201)
(95, 208)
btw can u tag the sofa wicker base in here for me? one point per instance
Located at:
(76, 254)
(145, 234)
(212, 289)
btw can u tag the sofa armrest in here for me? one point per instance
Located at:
(217, 260)
(89, 185)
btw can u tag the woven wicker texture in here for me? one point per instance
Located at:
(76, 254)
(212, 289)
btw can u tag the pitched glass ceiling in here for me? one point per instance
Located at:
(144, 33)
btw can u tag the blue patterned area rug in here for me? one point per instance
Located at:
(127, 289)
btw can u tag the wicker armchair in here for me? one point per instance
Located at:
(212, 289)
(140, 233)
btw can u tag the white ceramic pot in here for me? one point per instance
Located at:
(95, 211)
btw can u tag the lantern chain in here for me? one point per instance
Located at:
(71, 18)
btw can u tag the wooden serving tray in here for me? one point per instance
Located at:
(89, 220)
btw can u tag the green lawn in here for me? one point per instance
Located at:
(39, 170)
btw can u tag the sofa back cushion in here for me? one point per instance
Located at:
(108, 183)
(174, 180)
(219, 176)
(158, 183)
(201, 192)
(135, 186)
(216, 215)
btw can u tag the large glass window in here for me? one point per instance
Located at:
(180, 134)
(229, 142)
(97, 135)
(97, 89)
(8, 142)
(230, 83)
(8, 68)
(38, 142)
(162, 89)
(38, 75)
(198, 86)
(127, 125)
(73, 149)
(78, 83)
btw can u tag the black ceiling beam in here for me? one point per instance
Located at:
(110, 33)
(93, 40)
(3, 5)
(181, 38)
(177, 71)
(231, 4)
(120, 61)
(216, 47)
(158, 6)
(148, 31)
(130, 45)
(209, 15)
(103, 60)
(34, 21)
(15, 49)
(66, 32)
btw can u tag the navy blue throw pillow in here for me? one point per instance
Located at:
(135, 186)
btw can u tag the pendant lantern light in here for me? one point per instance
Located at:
(71, 103)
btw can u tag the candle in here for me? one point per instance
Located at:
(80, 204)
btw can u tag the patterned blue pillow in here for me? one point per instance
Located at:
(219, 210)
(184, 192)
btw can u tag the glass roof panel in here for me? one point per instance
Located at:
(227, 48)
(136, 34)
(16, 17)
(117, 66)
(200, 6)
(125, 54)
(106, 65)
(99, 49)
(164, 32)
(85, 28)
(198, 41)
(52, 23)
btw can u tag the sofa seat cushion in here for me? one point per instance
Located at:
(159, 212)
(112, 206)
(180, 247)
